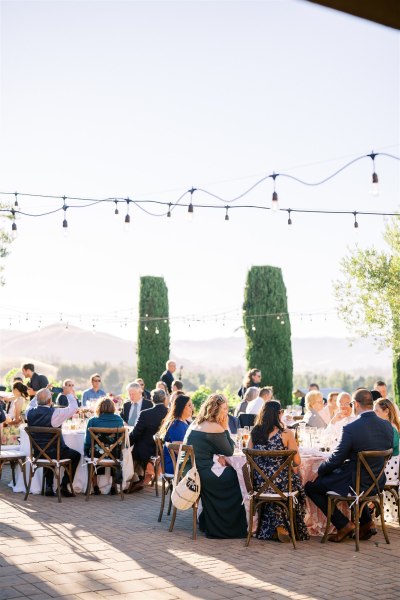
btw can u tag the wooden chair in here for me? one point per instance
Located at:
(361, 498)
(188, 454)
(105, 451)
(13, 456)
(262, 494)
(39, 457)
(167, 479)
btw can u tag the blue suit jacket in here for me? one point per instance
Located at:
(368, 432)
(127, 407)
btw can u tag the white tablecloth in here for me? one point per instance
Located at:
(74, 440)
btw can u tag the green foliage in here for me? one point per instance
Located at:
(199, 396)
(368, 295)
(114, 377)
(8, 377)
(268, 338)
(153, 331)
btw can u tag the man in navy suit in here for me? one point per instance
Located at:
(136, 403)
(338, 473)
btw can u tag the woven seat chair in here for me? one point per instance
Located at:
(361, 498)
(13, 456)
(167, 479)
(262, 494)
(110, 451)
(188, 454)
(40, 459)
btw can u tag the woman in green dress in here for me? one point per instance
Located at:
(223, 514)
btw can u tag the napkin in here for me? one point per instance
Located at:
(217, 468)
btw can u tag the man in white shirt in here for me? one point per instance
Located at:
(343, 416)
(254, 407)
(41, 413)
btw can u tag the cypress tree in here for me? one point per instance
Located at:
(268, 338)
(153, 330)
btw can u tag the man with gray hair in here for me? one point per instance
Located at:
(148, 424)
(41, 413)
(136, 403)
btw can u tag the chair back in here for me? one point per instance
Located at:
(106, 444)
(268, 482)
(365, 462)
(187, 451)
(159, 451)
(52, 440)
(246, 420)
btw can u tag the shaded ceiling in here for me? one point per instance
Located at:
(385, 12)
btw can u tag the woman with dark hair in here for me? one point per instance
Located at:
(174, 426)
(14, 410)
(251, 379)
(269, 433)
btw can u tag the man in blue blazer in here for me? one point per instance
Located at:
(131, 409)
(338, 473)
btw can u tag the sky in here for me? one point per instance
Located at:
(148, 99)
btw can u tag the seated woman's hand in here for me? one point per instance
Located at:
(222, 461)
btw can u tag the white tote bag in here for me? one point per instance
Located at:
(186, 492)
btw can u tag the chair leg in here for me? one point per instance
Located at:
(328, 521)
(28, 487)
(291, 521)
(57, 473)
(195, 520)
(357, 524)
(89, 481)
(12, 465)
(170, 502)
(383, 521)
(22, 466)
(43, 480)
(173, 519)
(250, 523)
(155, 480)
(162, 500)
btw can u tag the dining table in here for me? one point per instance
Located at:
(73, 438)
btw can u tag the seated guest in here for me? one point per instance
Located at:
(330, 408)
(385, 409)
(68, 388)
(95, 392)
(147, 425)
(160, 385)
(254, 406)
(40, 413)
(2, 416)
(233, 424)
(136, 403)
(269, 433)
(250, 394)
(14, 410)
(314, 404)
(338, 473)
(146, 393)
(344, 416)
(223, 514)
(104, 417)
(174, 426)
(177, 386)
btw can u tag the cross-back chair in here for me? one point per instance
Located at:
(175, 449)
(268, 491)
(373, 494)
(40, 458)
(13, 456)
(105, 451)
(167, 479)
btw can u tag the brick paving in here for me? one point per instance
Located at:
(106, 548)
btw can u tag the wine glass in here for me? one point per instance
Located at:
(246, 435)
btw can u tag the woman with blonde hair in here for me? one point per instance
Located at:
(314, 405)
(385, 409)
(104, 417)
(223, 514)
(251, 394)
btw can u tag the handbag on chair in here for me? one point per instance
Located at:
(186, 492)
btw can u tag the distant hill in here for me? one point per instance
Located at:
(55, 344)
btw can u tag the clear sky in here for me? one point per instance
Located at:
(146, 100)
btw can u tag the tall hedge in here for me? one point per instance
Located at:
(153, 330)
(268, 338)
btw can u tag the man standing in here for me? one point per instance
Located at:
(168, 376)
(338, 473)
(37, 382)
(252, 379)
(147, 425)
(135, 404)
(94, 392)
(40, 413)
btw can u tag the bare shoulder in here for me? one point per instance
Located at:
(208, 427)
(288, 434)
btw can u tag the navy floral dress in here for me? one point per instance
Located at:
(273, 515)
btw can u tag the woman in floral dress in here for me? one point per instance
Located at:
(269, 433)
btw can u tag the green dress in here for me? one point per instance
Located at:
(223, 514)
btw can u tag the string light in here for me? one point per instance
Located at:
(375, 180)
(65, 222)
(16, 199)
(355, 220)
(190, 207)
(274, 204)
(169, 210)
(127, 216)
(289, 221)
(116, 211)
(226, 214)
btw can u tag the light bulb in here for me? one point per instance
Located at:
(274, 204)
(375, 184)
(190, 212)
